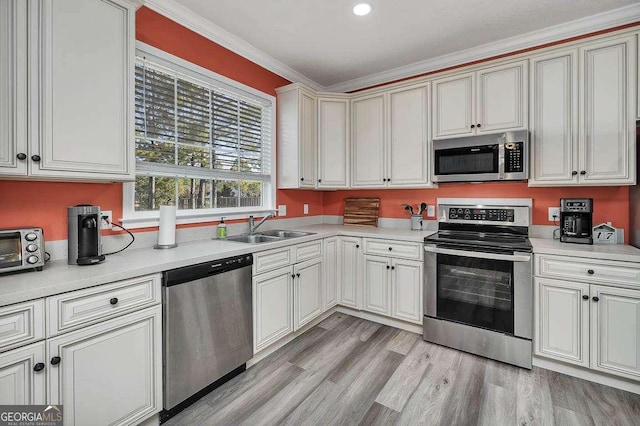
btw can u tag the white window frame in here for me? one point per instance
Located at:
(133, 219)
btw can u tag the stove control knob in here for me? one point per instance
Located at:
(453, 216)
(31, 248)
(467, 217)
(460, 211)
(30, 236)
(32, 259)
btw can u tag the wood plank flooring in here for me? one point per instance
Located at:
(349, 371)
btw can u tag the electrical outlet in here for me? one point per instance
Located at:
(105, 224)
(282, 210)
(431, 211)
(306, 209)
(554, 214)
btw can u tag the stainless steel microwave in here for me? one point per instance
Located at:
(21, 248)
(495, 157)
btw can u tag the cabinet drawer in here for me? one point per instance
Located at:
(21, 323)
(393, 248)
(271, 260)
(69, 311)
(588, 270)
(308, 250)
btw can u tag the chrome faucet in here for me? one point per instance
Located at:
(252, 227)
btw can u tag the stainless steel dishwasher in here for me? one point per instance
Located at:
(208, 327)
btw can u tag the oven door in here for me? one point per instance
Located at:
(10, 250)
(491, 290)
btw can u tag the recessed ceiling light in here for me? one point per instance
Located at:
(362, 9)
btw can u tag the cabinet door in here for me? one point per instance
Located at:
(333, 143)
(377, 291)
(554, 118)
(607, 100)
(272, 307)
(350, 271)
(82, 84)
(406, 290)
(453, 106)
(502, 98)
(562, 321)
(331, 273)
(110, 371)
(408, 140)
(615, 331)
(13, 87)
(307, 292)
(307, 160)
(20, 384)
(368, 141)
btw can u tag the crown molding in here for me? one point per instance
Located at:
(189, 19)
(610, 19)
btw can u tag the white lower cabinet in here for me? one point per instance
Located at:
(272, 307)
(406, 290)
(350, 271)
(330, 263)
(377, 292)
(23, 375)
(109, 373)
(307, 292)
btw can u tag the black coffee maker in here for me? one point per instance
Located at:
(84, 237)
(576, 220)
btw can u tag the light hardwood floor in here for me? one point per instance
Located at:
(351, 371)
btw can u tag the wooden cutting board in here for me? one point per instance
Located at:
(361, 211)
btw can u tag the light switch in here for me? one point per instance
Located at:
(306, 209)
(282, 210)
(431, 211)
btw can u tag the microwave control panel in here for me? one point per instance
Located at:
(514, 157)
(493, 215)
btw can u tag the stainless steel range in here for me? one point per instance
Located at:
(478, 289)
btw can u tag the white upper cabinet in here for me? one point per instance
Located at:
(489, 100)
(368, 141)
(554, 118)
(13, 87)
(81, 85)
(333, 142)
(583, 115)
(607, 111)
(297, 121)
(408, 150)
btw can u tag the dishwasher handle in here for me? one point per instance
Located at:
(203, 270)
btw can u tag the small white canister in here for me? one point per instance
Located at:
(416, 222)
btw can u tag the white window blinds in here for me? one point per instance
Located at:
(191, 128)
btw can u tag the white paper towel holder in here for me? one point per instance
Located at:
(172, 226)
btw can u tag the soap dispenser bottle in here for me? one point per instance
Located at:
(222, 229)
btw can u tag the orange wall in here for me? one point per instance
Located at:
(610, 204)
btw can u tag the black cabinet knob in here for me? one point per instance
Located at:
(573, 173)
(357, 245)
(585, 297)
(595, 298)
(302, 179)
(319, 180)
(55, 360)
(583, 172)
(473, 126)
(35, 157)
(478, 125)
(114, 300)
(21, 156)
(390, 248)
(298, 275)
(388, 266)
(393, 267)
(590, 272)
(38, 367)
(293, 275)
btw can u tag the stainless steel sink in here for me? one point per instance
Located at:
(253, 239)
(280, 233)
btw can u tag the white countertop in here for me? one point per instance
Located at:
(620, 252)
(58, 277)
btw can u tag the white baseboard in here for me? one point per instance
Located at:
(380, 319)
(590, 375)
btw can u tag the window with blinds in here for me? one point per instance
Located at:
(198, 145)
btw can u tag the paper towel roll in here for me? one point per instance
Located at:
(167, 231)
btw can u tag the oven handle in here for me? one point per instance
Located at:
(478, 254)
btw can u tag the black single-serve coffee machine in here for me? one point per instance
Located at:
(576, 220)
(84, 237)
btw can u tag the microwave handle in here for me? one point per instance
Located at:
(501, 161)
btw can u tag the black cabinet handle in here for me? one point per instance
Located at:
(21, 156)
(113, 300)
(595, 298)
(35, 157)
(390, 248)
(357, 245)
(38, 367)
(319, 180)
(302, 179)
(473, 126)
(583, 172)
(478, 125)
(55, 360)
(388, 266)
(298, 275)
(573, 173)
(393, 267)
(293, 275)
(585, 297)
(590, 272)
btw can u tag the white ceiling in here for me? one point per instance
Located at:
(324, 41)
